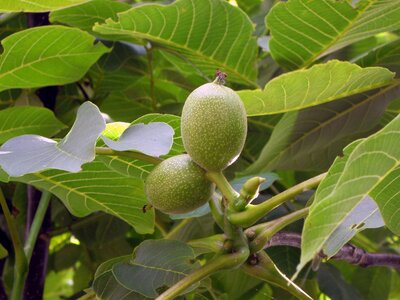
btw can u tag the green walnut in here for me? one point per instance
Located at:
(214, 125)
(178, 185)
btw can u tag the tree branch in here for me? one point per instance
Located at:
(348, 253)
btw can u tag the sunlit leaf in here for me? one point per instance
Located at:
(211, 34)
(97, 188)
(302, 30)
(366, 164)
(36, 5)
(48, 55)
(27, 120)
(319, 84)
(84, 16)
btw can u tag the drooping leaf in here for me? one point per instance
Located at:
(48, 55)
(310, 139)
(33, 153)
(319, 84)
(386, 56)
(36, 5)
(366, 164)
(302, 30)
(85, 15)
(97, 188)
(20, 120)
(153, 139)
(156, 263)
(211, 34)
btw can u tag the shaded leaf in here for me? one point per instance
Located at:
(107, 287)
(310, 139)
(366, 164)
(386, 56)
(48, 55)
(156, 263)
(319, 84)
(373, 283)
(302, 30)
(32, 153)
(16, 121)
(332, 283)
(212, 34)
(84, 16)
(36, 5)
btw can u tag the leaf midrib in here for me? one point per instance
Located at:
(135, 34)
(308, 62)
(369, 99)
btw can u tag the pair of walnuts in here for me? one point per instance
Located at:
(214, 128)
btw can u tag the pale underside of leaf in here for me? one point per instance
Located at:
(153, 139)
(32, 153)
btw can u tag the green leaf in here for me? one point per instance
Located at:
(106, 286)
(319, 84)
(20, 120)
(3, 252)
(386, 56)
(366, 164)
(332, 283)
(302, 30)
(48, 55)
(156, 263)
(386, 195)
(310, 139)
(36, 5)
(84, 16)
(210, 34)
(97, 188)
(373, 283)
